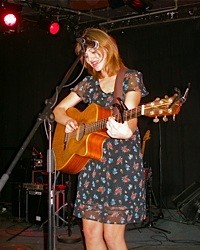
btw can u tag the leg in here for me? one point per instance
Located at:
(93, 232)
(114, 236)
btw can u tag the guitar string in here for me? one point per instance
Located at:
(88, 128)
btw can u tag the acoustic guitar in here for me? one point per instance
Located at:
(75, 149)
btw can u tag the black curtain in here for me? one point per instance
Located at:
(33, 63)
(168, 57)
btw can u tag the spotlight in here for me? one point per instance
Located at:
(10, 17)
(52, 27)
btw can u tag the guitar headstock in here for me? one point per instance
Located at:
(146, 136)
(168, 106)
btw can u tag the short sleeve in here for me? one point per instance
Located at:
(135, 82)
(82, 88)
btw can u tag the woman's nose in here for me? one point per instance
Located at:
(89, 56)
(91, 52)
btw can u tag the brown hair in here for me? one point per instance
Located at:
(106, 42)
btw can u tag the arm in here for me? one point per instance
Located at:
(60, 111)
(125, 130)
(132, 100)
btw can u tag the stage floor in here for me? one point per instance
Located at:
(170, 232)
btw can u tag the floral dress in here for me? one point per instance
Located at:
(112, 189)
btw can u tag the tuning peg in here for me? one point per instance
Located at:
(174, 118)
(156, 119)
(165, 119)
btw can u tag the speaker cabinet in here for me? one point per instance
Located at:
(36, 206)
(188, 202)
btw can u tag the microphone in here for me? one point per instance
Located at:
(93, 44)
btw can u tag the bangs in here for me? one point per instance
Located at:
(107, 44)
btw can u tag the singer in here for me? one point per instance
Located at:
(110, 191)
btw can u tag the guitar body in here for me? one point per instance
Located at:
(72, 158)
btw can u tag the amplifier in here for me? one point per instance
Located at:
(37, 206)
(35, 186)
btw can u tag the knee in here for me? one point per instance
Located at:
(114, 239)
(109, 238)
(92, 233)
(88, 233)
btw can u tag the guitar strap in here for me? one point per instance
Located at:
(118, 87)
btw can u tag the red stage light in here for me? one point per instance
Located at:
(10, 19)
(54, 28)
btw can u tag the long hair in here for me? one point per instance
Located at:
(106, 42)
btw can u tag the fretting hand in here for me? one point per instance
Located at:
(118, 130)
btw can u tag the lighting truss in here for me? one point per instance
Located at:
(170, 15)
(122, 18)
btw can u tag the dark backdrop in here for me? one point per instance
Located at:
(33, 63)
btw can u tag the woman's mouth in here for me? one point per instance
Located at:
(94, 64)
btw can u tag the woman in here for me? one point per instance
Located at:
(111, 190)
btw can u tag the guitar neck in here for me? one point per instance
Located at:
(159, 107)
(101, 124)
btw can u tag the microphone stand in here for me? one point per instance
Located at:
(46, 114)
(161, 216)
(156, 120)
